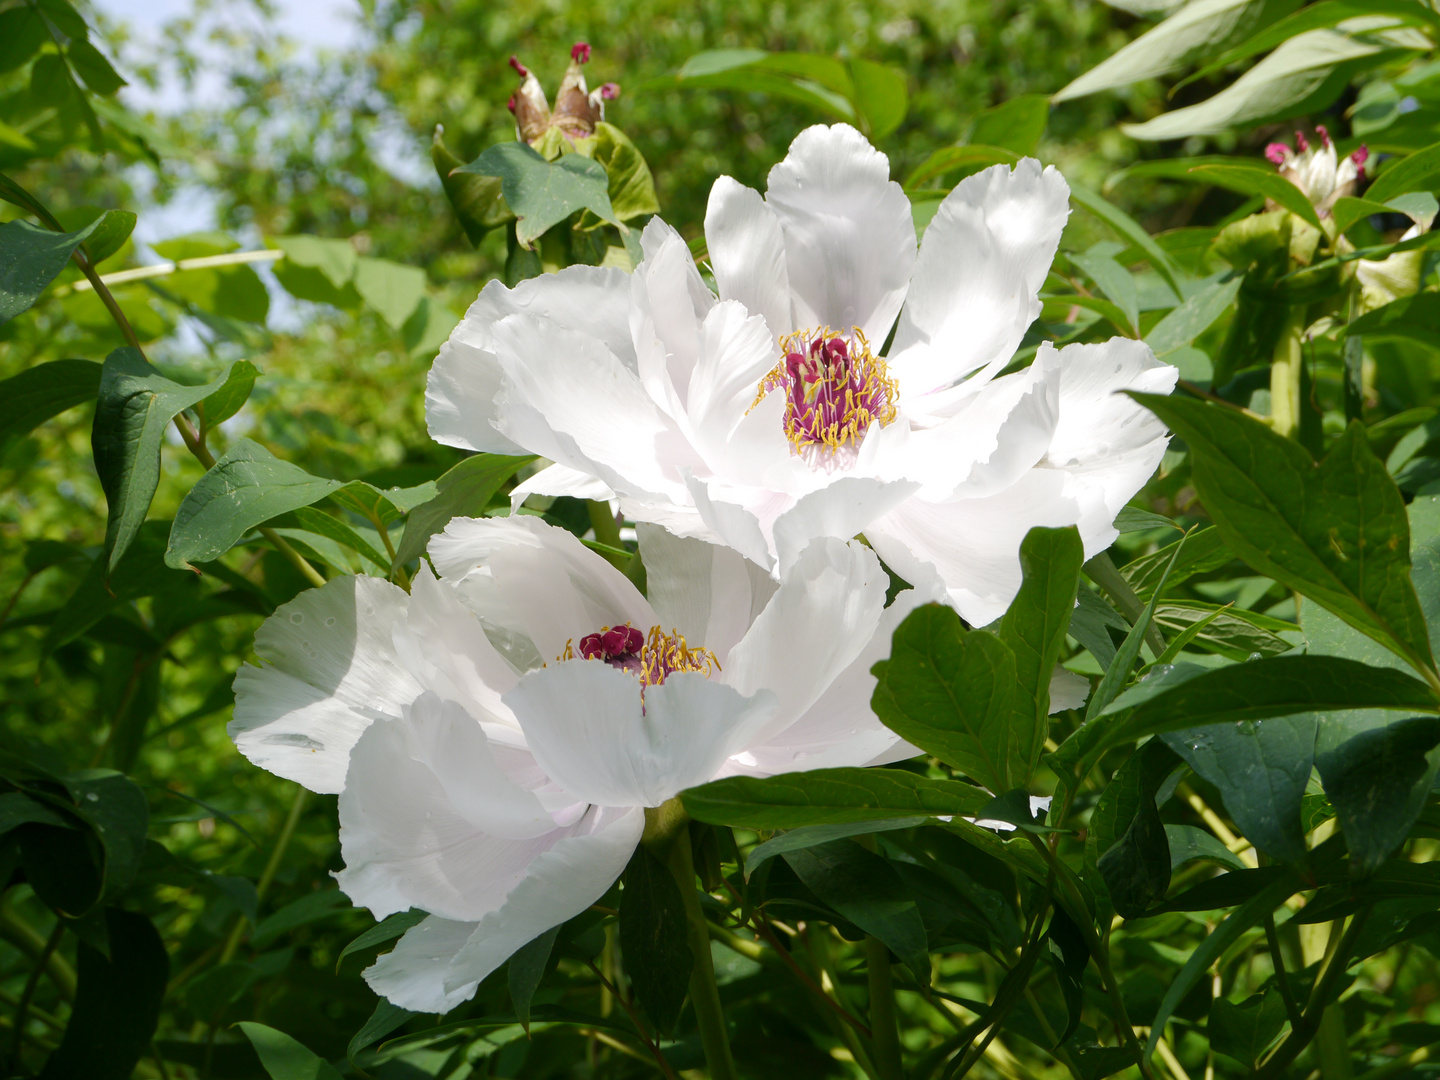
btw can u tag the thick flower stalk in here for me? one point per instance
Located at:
(775, 413)
(497, 734)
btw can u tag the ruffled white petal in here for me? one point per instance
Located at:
(440, 963)
(747, 253)
(711, 594)
(841, 509)
(428, 819)
(534, 585)
(330, 669)
(461, 392)
(584, 722)
(974, 544)
(820, 619)
(561, 480)
(668, 302)
(977, 279)
(849, 233)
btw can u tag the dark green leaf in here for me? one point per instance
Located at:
(284, 1058)
(542, 193)
(1189, 843)
(949, 158)
(1133, 866)
(92, 67)
(465, 490)
(332, 528)
(653, 938)
(1118, 673)
(32, 257)
(111, 232)
(1245, 1031)
(1414, 317)
(1231, 632)
(527, 967)
(1335, 532)
(44, 391)
(388, 929)
(1205, 550)
(1260, 181)
(1136, 869)
(246, 487)
(865, 889)
(312, 907)
(385, 1019)
(17, 808)
(135, 405)
(795, 839)
(115, 808)
(828, 797)
(22, 32)
(1407, 174)
(949, 691)
(476, 200)
(383, 507)
(1070, 955)
(117, 1004)
(231, 397)
(62, 866)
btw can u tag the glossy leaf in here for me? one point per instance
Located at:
(231, 397)
(246, 487)
(653, 938)
(828, 797)
(542, 193)
(1335, 532)
(134, 407)
(465, 490)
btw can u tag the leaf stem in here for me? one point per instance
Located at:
(267, 876)
(607, 532)
(1101, 570)
(14, 929)
(704, 994)
(23, 1005)
(885, 1038)
(641, 1030)
(1282, 978)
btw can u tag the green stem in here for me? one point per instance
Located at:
(1102, 571)
(607, 532)
(268, 874)
(14, 929)
(818, 940)
(1285, 376)
(885, 1034)
(1282, 978)
(704, 994)
(23, 1006)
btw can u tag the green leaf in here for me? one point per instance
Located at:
(819, 82)
(22, 33)
(1117, 674)
(1198, 29)
(391, 288)
(465, 490)
(1245, 1031)
(116, 810)
(1115, 282)
(44, 391)
(384, 1020)
(1418, 206)
(1378, 773)
(949, 158)
(1228, 631)
(1132, 231)
(1264, 182)
(1335, 532)
(1407, 174)
(32, 257)
(1133, 867)
(1210, 949)
(111, 232)
(828, 797)
(332, 528)
(527, 967)
(631, 185)
(245, 488)
(231, 292)
(1303, 75)
(134, 406)
(1261, 768)
(950, 691)
(1015, 125)
(1136, 869)
(117, 1004)
(1204, 551)
(476, 200)
(795, 839)
(1188, 844)
(334, 259)
(1133, 519)
(543, 193)
(284, 1058)
(865, 889)
(1278, 686)
(880, 96)
(1414, 317)
(653, 938)
(388, 929)
(231, 397)
(92, 67)
(1034, 628)
(312, 907)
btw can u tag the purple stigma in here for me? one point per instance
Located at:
(1359, 157)
(580, 52)
(1302, 145)
(1276, 152)
(520, 69)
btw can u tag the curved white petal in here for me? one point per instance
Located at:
(841, 509)
(584, 722)
(711, 594)
(849, 233)
(668, 303)
(461, 391)
(330, 669)
(535, 585)
(737, 516)
(736, 352)
(820, 619)
(439, 963)
(561, 480)
(976, 282)
(428, 819)
(747, 253)
(974, 544)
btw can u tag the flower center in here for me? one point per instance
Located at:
(834, 387)
(650, 658)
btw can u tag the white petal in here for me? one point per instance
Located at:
(849, 232)
(711, 594)
(747, 253)
(668, 302)
(974, 544)
(736, 352)
(976, 282)
(331, 668)
(733, 516)
(460, 393)
(429, 820)
(535, 584)
(841, 509)
(1067, 690)
(819, 620)
(570, 399)
(584, 723)
(561, 480)
(1106, 445)
(439, 963)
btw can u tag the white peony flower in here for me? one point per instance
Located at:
(773, 414)
(496, 734)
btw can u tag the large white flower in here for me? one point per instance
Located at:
(768, 415)
(496, 734)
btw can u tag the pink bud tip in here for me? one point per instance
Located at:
(520, 69)
(610, 91)
(1359, 157)
(580, 52)
(1302, 144)
(1276, 152)
(1324, 135)
(511, 103)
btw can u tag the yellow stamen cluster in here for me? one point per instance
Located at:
(830, 403)
(665, 654)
